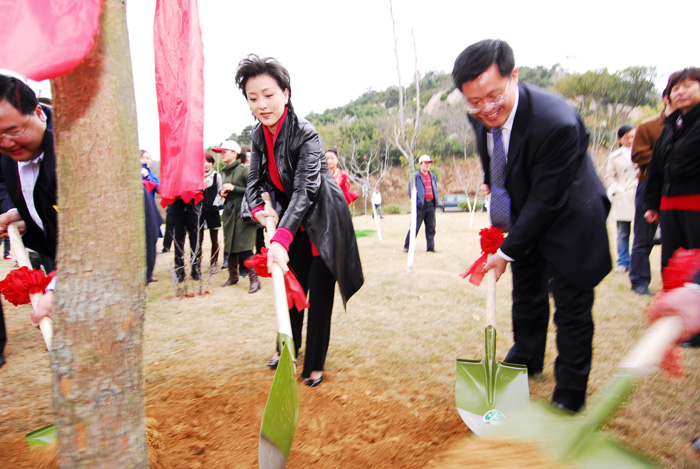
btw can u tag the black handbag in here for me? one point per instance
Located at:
(246, 216)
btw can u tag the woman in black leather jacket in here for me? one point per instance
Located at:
(315, 237)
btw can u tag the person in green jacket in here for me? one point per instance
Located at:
(239, 236)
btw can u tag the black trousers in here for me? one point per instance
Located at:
(643, 242)
(679, 229)
(532, 282)
(185, 221)
(3, 331)
(318, 281)
(427, 214)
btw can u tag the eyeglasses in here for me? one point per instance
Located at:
(475, 107)
(15, 133)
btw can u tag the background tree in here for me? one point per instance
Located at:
(99, 304)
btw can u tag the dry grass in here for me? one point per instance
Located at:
(400, 337)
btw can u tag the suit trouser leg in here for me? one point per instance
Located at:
(192, 226)
(642, 243)
(318, 328)
(430, 225)
(176, 217)
(530, 312)
(574, 321)
(420, 215)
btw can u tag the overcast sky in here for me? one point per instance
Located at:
(337, 50)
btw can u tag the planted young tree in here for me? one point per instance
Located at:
(405, 136)
(100, 300)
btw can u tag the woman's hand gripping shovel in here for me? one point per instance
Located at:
(487, 391)
(279, 421)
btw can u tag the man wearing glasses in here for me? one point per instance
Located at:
(27, 168)
(546, 195)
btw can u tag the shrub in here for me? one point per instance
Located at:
(391, 209)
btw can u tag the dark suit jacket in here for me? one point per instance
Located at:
(558, 204)
(43, 242)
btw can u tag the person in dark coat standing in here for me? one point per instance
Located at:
(426, 202)
(315, 237)
(545, 193)
(672, 195)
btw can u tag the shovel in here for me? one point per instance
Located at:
(488, 391)
(574, 438)
(279, 421)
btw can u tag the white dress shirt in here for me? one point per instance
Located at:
(28, 174)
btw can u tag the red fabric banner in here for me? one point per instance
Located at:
(295, 294)
(179, 60)
(45, 39)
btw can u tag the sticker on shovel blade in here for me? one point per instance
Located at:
(494, 417)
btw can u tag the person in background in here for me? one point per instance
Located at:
(315, 237)
(644, 140)
(621, 181)
(377, 202)
(147, 174)
(546, 194)
(672, 195)
(211, 220)
(239, 236)
(426, 202)
(340, 176)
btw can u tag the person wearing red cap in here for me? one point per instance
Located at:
(426, 202)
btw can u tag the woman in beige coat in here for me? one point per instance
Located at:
(621, 181)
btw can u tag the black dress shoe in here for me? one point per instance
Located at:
(273, 363)
(312, 383)
(642, 290)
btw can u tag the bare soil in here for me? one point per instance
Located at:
(387, 399)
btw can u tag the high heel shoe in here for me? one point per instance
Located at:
(273, 363)
(312, 383)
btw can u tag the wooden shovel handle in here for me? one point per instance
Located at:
(46, 324)
(491, 298)
(650, 350)
(281, 307)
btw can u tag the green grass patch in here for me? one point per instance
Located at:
(363, 233)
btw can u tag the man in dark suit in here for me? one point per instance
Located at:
(552, 204)
(28, 168)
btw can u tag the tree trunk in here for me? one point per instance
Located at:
(100, 299)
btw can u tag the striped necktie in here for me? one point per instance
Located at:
(500, 200)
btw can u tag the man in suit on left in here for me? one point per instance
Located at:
(27, 173)
(28, 168)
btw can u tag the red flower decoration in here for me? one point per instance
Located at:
(491, 240)
(295, 294)
(680, 269)
(22, 282)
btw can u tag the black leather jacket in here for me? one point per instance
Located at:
(311, 197)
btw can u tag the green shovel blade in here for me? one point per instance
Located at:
(488, 391)
(41, 437)
(279, 421)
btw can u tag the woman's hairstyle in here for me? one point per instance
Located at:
(209, 158)
(692, 73)
(332, 150)
(253, 66)
(241, 157)
(624, 128)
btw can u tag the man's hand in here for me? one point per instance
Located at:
(684, 303)
(652, 216)
(43, 309)
(497, 263)
(9, 217)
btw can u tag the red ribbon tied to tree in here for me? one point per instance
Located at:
(295, 294)
(22, 282)
(679, 270)
(491, 240)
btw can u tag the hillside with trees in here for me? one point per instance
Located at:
(361, 130)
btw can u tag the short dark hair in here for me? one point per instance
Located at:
(45, 100)
(692, 73)
(332, 150)
(209, 158)
(475, 59)
(18, 94)
(624, 128)
(253, 66)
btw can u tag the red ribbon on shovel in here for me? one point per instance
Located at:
(491, 240)
(295, 294)
(680, 269)
(22, 282)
